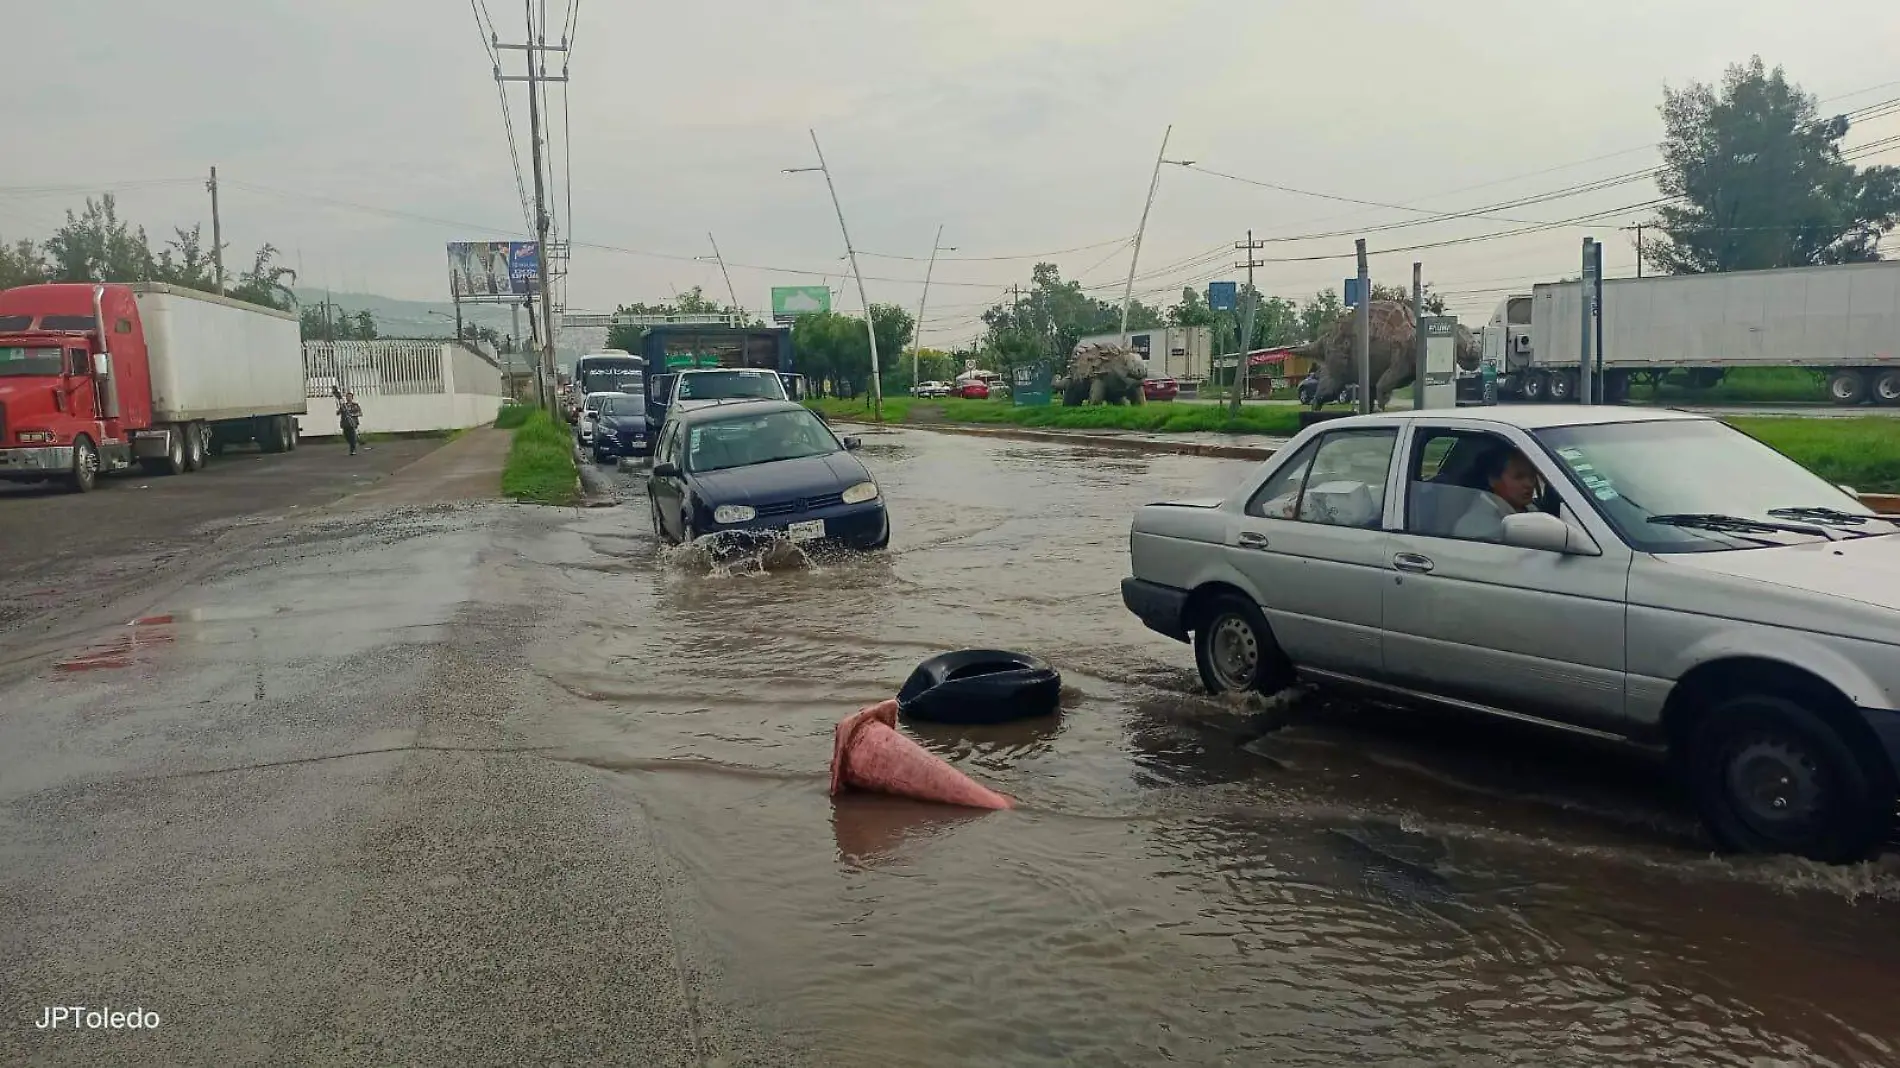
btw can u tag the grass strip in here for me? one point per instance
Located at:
(540, 467)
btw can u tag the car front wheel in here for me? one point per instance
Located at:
(1770, 775)
(1235, 651)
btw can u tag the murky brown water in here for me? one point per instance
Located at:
(1362, 886)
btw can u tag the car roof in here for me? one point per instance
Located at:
(712, 410)
(1525, 416)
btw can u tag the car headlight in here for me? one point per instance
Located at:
(863, 491)
(733, 513)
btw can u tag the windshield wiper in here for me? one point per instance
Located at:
(1832, 515)
(1735, 524)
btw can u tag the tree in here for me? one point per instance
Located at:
(1049, 318)
(1320, 312)
(266, 283)
(98, 246)
(185, 262)
(626, 336)
(1760, 181)
(22, 264)
(1434, 304)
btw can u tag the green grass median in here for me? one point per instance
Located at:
(540, 467)
(1861, 452)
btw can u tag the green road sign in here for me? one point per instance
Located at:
(791, 301)
(1030, 384)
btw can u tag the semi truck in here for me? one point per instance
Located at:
(674, 347)
(95, 378)
(1841, 322)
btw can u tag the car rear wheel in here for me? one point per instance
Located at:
(1235, 651)
(1771, 775)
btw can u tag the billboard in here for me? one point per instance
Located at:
(789, 302)
(1223, 296)
(492, 269)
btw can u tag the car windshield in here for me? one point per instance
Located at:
(622, 405)
(758, 439)
(730, 385)
(29, 361)
(1683, 486)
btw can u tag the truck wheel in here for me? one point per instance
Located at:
(85, 467)
(295, 434)
(173, 462)
(1534, 383)
(1616, 387)
(194, 446)
(270, 434)
(1847, 386)
(1562, 388)
(1770, 775)
(1235, 651)
(1887, 388)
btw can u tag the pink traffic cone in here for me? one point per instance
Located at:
(867, 753)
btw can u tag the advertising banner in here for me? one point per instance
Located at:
(493, 269)
(789, 302)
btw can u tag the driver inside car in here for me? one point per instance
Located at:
(1513, 485)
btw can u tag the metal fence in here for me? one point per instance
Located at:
(373, 368)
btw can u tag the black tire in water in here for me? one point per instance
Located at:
(1770, 774)
(1235, 651)
(980, 686)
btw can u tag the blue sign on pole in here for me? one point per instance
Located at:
(1223, 296)
(1352, 292)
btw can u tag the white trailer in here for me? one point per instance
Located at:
(223, 372)
(1839, 321)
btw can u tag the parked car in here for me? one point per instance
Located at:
(620, 427)
(1160, 389)
(932, 389)
(1641, 575)
(584, 426)
(752, 470)
(973, 389)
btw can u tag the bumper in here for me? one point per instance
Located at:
(1160, 608)
(621, 445)
(34, 464)
(860, 526)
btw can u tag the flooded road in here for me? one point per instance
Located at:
(1180, 884)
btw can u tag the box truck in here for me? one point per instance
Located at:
(1842, 322)
(96, 378)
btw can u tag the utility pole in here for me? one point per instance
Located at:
(217, 232)
(1639, 250)
(1586, 300)
(1154, 183)
(1246, 329)
(917, 334)
(1362, 331)
(1418, 337)
(730, 292)
(870, 324)
(537, 76)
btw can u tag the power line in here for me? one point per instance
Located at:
(995, 259)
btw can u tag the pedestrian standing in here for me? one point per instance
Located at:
(350, 415)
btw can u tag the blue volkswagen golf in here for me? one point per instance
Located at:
(758, 469)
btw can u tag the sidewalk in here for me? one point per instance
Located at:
(466, 469)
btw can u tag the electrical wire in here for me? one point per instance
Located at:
(997, 259)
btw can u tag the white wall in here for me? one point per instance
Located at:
(467, 393)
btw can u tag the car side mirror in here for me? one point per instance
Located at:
(854, 444)
(666, 470)
(1547, 533)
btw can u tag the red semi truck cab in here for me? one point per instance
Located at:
(96, 377)
(61, 387)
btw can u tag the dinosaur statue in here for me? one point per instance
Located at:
(1393, 363)
(1102, 373)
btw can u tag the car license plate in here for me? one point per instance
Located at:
(807, 531)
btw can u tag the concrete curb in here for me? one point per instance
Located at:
(1883, 503)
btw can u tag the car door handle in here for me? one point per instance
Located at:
(1412, 562)
(1250, 539)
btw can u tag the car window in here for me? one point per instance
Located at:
(1280, 495)
(1462, 484)
(1346, 487)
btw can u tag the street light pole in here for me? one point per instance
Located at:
(1154, 183)
(870, 326)
(917, 334)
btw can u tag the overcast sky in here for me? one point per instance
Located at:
(1022, 126)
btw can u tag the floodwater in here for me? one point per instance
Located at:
(1180, 884)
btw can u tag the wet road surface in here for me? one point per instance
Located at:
(491, 784)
